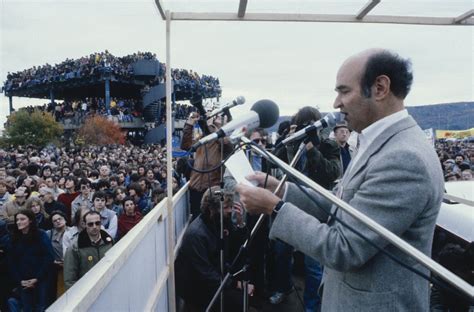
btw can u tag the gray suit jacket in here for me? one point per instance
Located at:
(399, 184)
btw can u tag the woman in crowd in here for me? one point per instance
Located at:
(56, 235)
(119, 195)
(35, 204)
(129, 218)
(30, 261)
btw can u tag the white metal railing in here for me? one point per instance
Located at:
(134, 273)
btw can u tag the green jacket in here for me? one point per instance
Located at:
(82, 256)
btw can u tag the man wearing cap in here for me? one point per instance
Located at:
(8, 211)
(341, 135)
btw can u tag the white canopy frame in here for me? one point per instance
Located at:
(362, 16)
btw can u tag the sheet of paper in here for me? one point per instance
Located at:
(239, 166)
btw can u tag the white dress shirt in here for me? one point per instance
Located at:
(369, 134)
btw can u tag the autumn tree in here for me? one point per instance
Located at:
(99, 130)
(36, 128)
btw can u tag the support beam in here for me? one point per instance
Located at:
(367, 8)
(107, 95)
(464, 17)
(322, 18)
(160, 7)
(10, 101)
(242, 8)
(169, 172)
(51, 95)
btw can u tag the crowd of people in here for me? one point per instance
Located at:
(94, 65)
(57, 204)
(75, 112)
(181, 111)
(457, 158)
(193, 83)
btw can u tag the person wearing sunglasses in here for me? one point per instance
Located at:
(89, 248)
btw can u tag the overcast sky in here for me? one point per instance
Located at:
(294, 64)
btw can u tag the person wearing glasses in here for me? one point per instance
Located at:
(90, 246)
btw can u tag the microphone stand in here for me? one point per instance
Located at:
(244, 248)
(222, 219)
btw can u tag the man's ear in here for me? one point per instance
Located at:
(381, 87)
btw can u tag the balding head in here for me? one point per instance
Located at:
(372, 85)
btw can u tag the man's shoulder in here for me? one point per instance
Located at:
(197, 230)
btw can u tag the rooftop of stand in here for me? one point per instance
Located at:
(85, 77)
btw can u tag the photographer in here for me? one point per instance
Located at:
(206, 157)
(197, 266)
(320, 161)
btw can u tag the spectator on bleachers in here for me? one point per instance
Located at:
(49, 203)
(129, 218)
(108, 217)
(15, 205)
(30, 260)
(35, 205)
(56, 235)
(84, 199)
(89, 248)
(69, 195)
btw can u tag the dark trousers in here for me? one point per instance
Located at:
(32, 299)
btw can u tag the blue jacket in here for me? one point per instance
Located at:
(29, 259)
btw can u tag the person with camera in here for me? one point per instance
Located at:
(197, 266)
(205, 157)
(320, 162)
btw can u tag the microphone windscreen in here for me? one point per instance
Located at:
(240, 100)
(332, 119)
(268, 112)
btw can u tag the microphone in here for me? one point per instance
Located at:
(237, 101)
(328, 120)
(263, 113)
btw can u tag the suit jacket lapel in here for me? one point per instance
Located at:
(379, 141)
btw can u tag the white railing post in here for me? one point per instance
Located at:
(169, 171)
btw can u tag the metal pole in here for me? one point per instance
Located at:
(107, 94)
(222, 220)
(169, 172)
(293, 162)
(51, 95)
(10, 101)
(374, 226)
(252, 234)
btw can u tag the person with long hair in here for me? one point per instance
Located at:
(30, 261)
(35, 204)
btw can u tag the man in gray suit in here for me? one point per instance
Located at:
(395, 179)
